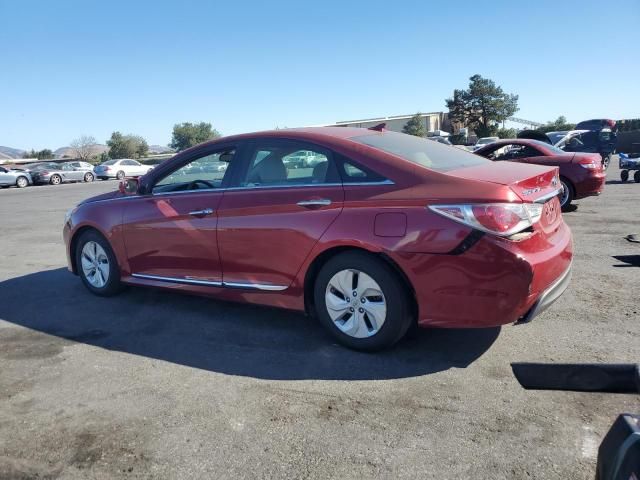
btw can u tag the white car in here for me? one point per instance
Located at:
(484, 141)
(120, 168)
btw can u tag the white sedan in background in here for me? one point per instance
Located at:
(120, 168)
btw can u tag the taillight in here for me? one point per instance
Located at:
(106, 169)
(589, 164)
(502, 219)
(43, 172)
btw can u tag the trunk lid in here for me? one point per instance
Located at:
(529, 182)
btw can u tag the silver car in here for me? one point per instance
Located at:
(10, 177)
(75, 171)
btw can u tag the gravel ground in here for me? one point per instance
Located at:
(158, 385)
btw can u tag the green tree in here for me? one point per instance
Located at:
(482, 106)
(127, 146)
(187, 135)
(415, 126)
(507, 133)
(558, 124)
(44, 154)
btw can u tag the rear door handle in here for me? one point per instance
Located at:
(320, 202)
(201, 213)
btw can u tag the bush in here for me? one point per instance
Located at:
(458, 139)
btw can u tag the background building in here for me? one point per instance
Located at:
(432, 122)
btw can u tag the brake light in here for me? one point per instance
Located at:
(589, 164)
(502, 219)
(43, 172)
(106, 169)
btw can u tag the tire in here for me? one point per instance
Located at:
(110, 285)
(636, 176)
(606, 160)
(55, 180)
(352, 324)
(567, 195)
(22, 182)
(624, 175)
(88, 177)
(120, 175)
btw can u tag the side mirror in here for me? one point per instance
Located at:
(129, 186)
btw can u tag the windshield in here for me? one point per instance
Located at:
(552, 148)
(418, 150)
(555, 137)
(485, 141)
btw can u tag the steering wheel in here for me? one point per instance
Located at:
(203, 182)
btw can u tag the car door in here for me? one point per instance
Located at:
(275, 213)
(5, 177)
(170, 233)
(67, 172)
(77, 172)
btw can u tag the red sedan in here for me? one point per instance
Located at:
(368, 230)
(581, 174)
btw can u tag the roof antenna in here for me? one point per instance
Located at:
(378, 128)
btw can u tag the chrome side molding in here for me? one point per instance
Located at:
(210, 283)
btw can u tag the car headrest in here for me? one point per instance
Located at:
(320, 172)
(271, 169)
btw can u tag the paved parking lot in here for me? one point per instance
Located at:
(157, 385)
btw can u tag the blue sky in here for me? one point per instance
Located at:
(88, 67)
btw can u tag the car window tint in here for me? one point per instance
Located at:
(288, 163)
(421, 151)
(352, 173)
(200, 173)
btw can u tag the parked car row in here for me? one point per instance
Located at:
(55, 173)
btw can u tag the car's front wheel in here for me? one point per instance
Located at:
(22, 182)
(88, 177)
(362, 301)
(97, 265)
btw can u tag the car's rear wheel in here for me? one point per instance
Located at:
(22, 182)
(624, 175)
(97, 265)
(55, 180)
(606, 159)
(120, 175)
(362, 301)
(567, 194)
(88, 177)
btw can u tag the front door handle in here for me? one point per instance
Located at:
(201, 213)
(320, 202)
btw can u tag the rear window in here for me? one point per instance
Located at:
(109, 162)
(432, 155)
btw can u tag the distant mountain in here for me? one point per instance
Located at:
(159, 149)
(62, 152)
(9, 153)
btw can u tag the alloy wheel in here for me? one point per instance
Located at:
(56, 180)
(355, 303)
(22, 182)
(95, 264)
(564, 196)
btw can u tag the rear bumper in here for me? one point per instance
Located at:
(590, 186)
(548, 297)
(495, 282)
